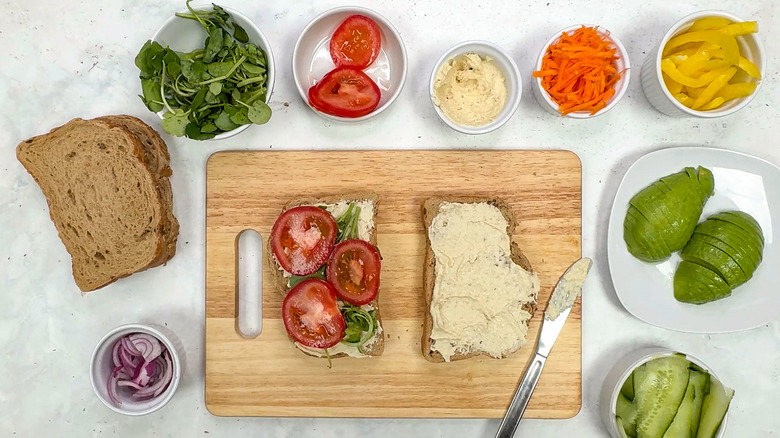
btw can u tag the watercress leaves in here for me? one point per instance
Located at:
(207, 91)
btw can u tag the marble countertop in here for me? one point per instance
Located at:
(75, 59)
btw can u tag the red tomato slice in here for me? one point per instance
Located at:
(311, 314)
(356, 42)
(345, 92)
(353, 270)
(302, 237)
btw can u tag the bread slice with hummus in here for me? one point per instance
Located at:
(480, 290)
(337, 205)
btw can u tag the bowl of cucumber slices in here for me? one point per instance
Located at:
(658, 392)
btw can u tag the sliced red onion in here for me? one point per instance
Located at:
(128, 344)
(148, 345)
(115, 355)
(111, 388)
(141, 365)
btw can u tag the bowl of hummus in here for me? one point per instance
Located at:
(475, 87)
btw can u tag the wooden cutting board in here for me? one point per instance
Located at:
(268, 376)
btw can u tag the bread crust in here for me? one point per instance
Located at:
(430, 209)
(280, 281)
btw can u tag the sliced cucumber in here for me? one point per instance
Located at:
(626, 411)
(701, 384)
(621, 431)
(659, 387)
(714, 408)
(628, 387)
(681, 426)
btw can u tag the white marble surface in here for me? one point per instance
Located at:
(67, 59)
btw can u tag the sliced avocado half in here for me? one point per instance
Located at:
(734, 236)
(697, 284)
(742, 220)
(701, 252)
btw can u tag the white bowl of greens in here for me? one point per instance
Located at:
(208, 73)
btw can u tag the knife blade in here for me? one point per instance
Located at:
(566, 291)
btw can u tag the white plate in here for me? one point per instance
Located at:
(742, 182)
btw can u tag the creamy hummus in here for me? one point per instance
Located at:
(470, 90)
(479, 292)
(568, 288)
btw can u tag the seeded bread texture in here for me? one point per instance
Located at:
(102, 198)
(280, 281)
(430, 208)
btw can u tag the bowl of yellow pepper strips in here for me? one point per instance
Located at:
(709, 64)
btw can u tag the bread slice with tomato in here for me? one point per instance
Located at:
(480, 290)
(323, 257)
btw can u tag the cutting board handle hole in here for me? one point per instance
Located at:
(249, 296)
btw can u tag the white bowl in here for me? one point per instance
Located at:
(508, 68)
(311, 59)
(619, 373)
(657, 93)
(101, 366)
(184, 35)
(622, 63)
(742, 182)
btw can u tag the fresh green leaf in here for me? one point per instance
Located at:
(319, 273)
(208, 128)
(199, 98)
(224, 123)
(213, 44)
(218, 69)
(361, 325)
(239, 33)
(252, 69)
(241, 117)
(193, 131)
(152, 97)
(348, 223)
(260, 113)
(174, 122)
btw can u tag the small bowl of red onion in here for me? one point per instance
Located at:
(136, 368)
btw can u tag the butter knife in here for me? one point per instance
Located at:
(565, 293)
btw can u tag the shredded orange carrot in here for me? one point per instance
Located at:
(579, 71)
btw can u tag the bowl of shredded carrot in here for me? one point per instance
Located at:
(582, 72)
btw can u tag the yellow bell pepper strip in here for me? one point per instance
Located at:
(684, 99)
(734, 91)
(743, 28)
(727, 42)
(714, 103)
(709, 23)
(674, 87)
(668, 67)
(694, 92)
(748, 67)
(709, 93)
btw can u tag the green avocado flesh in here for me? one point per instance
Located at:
(662, 216)
(701, 252)
(743, 221)
(696, 284)
(723, 253)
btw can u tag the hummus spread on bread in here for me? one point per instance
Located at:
(479, 293)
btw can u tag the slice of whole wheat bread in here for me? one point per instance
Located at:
(280, 281)
(102, 198)
(158, 160)
(430, 208)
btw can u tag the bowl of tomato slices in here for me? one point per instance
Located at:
(349, 64)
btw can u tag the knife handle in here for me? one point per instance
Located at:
(521, 397)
